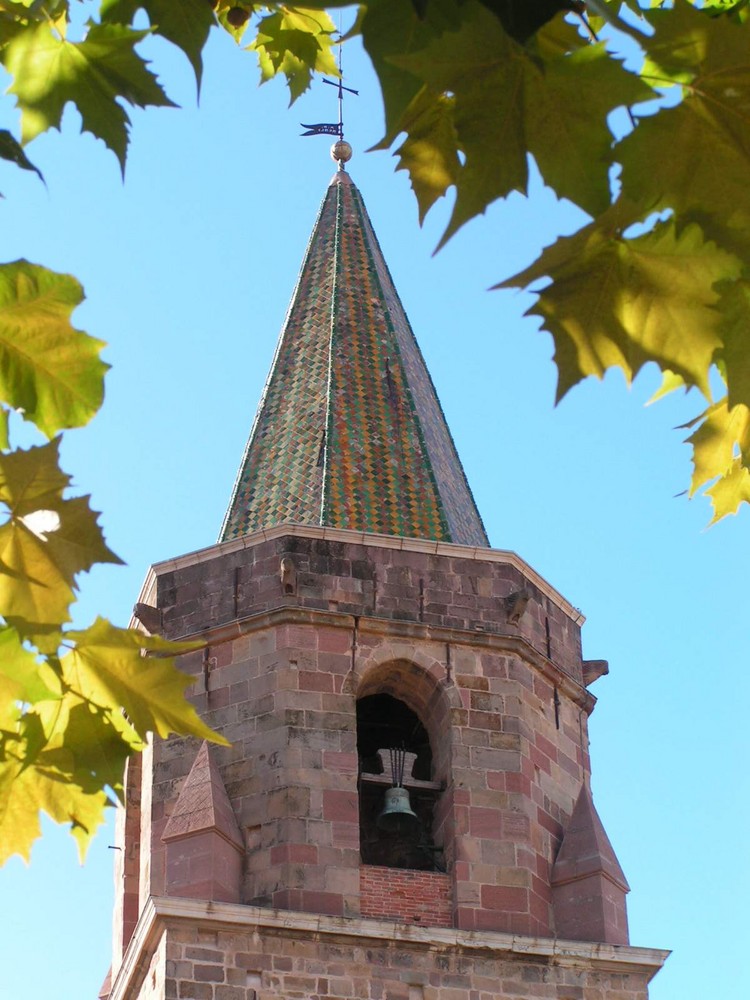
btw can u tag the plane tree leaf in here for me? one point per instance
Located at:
(48, 369)
(707, 134)
(45, 541)
(295, 41)
(186, 24)
(95, 74)
(106, 666)
(721, 438)
(735, 333)
(728, 492)
(619, 302)
(12, 150)
(23, 676)
(508, 102)
(429, 153)
(392, 29)
(25, 791)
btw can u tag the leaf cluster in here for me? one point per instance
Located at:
(472, 90)
(73, 704)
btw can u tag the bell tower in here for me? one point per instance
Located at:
(404, 812)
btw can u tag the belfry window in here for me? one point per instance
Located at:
(394, 752)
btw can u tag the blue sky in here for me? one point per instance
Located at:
(188, 268)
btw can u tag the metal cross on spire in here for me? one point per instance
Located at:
(332, 128)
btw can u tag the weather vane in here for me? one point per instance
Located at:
(335, 128)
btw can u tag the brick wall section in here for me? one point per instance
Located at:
(203, 964)
(414, 897)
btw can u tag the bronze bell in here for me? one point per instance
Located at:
(397, 815)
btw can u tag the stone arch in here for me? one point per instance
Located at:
(419, 688)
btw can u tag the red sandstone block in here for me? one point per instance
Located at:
(502, 897)
(315, 681)
(336, 760)
(484, 823)
(334, 641)
(545, 820)
(296, 637)
(548, 748)
(306, 854)
(345, 834)
(571, 766)
(342, 807)
(540, 760)
(543, 690)
(322, 902)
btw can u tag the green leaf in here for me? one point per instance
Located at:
(94, 74)
(735, 332)
(48, 369)
(296, 42)
(617, 302)
(45, 543)
(508, 104)
(106, 667)
(186, 24)
(570, 138)
(11, 149)
(429, 153)
(695, 156)
(521, 19)
(392, 29)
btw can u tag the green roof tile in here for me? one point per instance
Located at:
(349, 431)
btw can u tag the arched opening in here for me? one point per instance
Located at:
(384, 723)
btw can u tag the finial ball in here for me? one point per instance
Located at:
(341, 152)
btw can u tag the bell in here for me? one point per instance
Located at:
(397, 815)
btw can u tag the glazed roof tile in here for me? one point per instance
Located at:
(349, 432)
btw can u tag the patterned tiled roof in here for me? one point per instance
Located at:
(349, 431)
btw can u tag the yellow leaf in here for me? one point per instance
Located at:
(732, 489)
(106, 667)
(618, 302)
(723, 432)
(46, 541)
(48, 370)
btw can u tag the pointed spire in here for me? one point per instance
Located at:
(349, 432)
(204, 846)
(588, 884)
(203, 803)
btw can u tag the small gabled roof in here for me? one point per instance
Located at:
(349, 432)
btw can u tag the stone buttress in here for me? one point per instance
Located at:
(353, 610)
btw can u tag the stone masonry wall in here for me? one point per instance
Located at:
(374, 580)
(236, 964)
(506, 723)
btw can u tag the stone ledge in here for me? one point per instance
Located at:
(571, 954)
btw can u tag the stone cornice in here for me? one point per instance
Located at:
(160, 910)
(477, 553)
(399, 629)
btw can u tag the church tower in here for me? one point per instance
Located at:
(404, 812)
